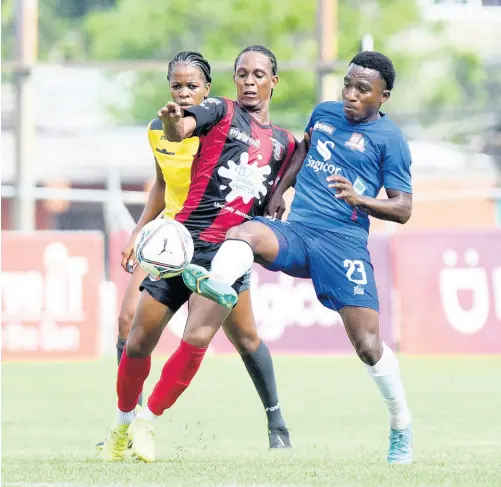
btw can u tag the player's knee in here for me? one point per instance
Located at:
(368, 348)
(125, 322)
(138, 347)
(246, 343)
(243, 232)
(200, 338)
(238, 232)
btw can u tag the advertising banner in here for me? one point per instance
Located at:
(449, 291)
(50, 284)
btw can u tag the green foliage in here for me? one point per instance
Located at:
(53, 28)
(219, 35)
(221, 29)
(8, 32)
(136, 29)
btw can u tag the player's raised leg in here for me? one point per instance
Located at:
(232, 261)
(240, 327)
(204, 319)
(149, 321)
(362, 326)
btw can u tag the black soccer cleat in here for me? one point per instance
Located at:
(279, 438)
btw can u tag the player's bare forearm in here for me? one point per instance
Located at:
(175, 126)
(155, 204)
(290, 174)
(174, 131)
(397, 208)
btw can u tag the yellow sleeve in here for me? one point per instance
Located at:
(150, 138)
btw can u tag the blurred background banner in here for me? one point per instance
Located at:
(51, 296)
(450, 291)
(440, 293)
(288, 315)
(78, 90)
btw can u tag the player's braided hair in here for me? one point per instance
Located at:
(378, 62)
(194, 58)
(262, 50)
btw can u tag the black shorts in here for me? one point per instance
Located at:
(173, 293)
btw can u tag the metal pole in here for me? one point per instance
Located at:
(367, 43)
(327, 12)
(23, 210)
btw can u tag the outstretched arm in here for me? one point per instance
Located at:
(175, 125)
(397, 208)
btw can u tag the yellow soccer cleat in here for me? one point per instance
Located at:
(115, 445)
(100, 445)
(141, 435)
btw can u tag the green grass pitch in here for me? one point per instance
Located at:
(53, 414)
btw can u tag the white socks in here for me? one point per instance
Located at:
(386, 375)
(128, 417)
(147, 414)
(125, 417)
(233, 259)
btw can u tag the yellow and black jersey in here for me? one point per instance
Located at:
(175, 160)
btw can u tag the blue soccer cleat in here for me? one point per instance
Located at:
(400, 452)
(200, 281)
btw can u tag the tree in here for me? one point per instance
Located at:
(219, 35)
(57, 25)
(130, 29)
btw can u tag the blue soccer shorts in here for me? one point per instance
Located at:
(339, 265)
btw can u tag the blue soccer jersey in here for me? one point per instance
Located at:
(370, 155)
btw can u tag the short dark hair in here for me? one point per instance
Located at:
(262, 50)
(378, 62)
(194, 58)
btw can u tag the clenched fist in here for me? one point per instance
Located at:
(170, 113)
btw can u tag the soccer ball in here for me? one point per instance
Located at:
(163, 248)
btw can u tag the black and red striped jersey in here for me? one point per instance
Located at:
(238, 164)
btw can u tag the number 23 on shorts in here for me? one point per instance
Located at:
(355, 267)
